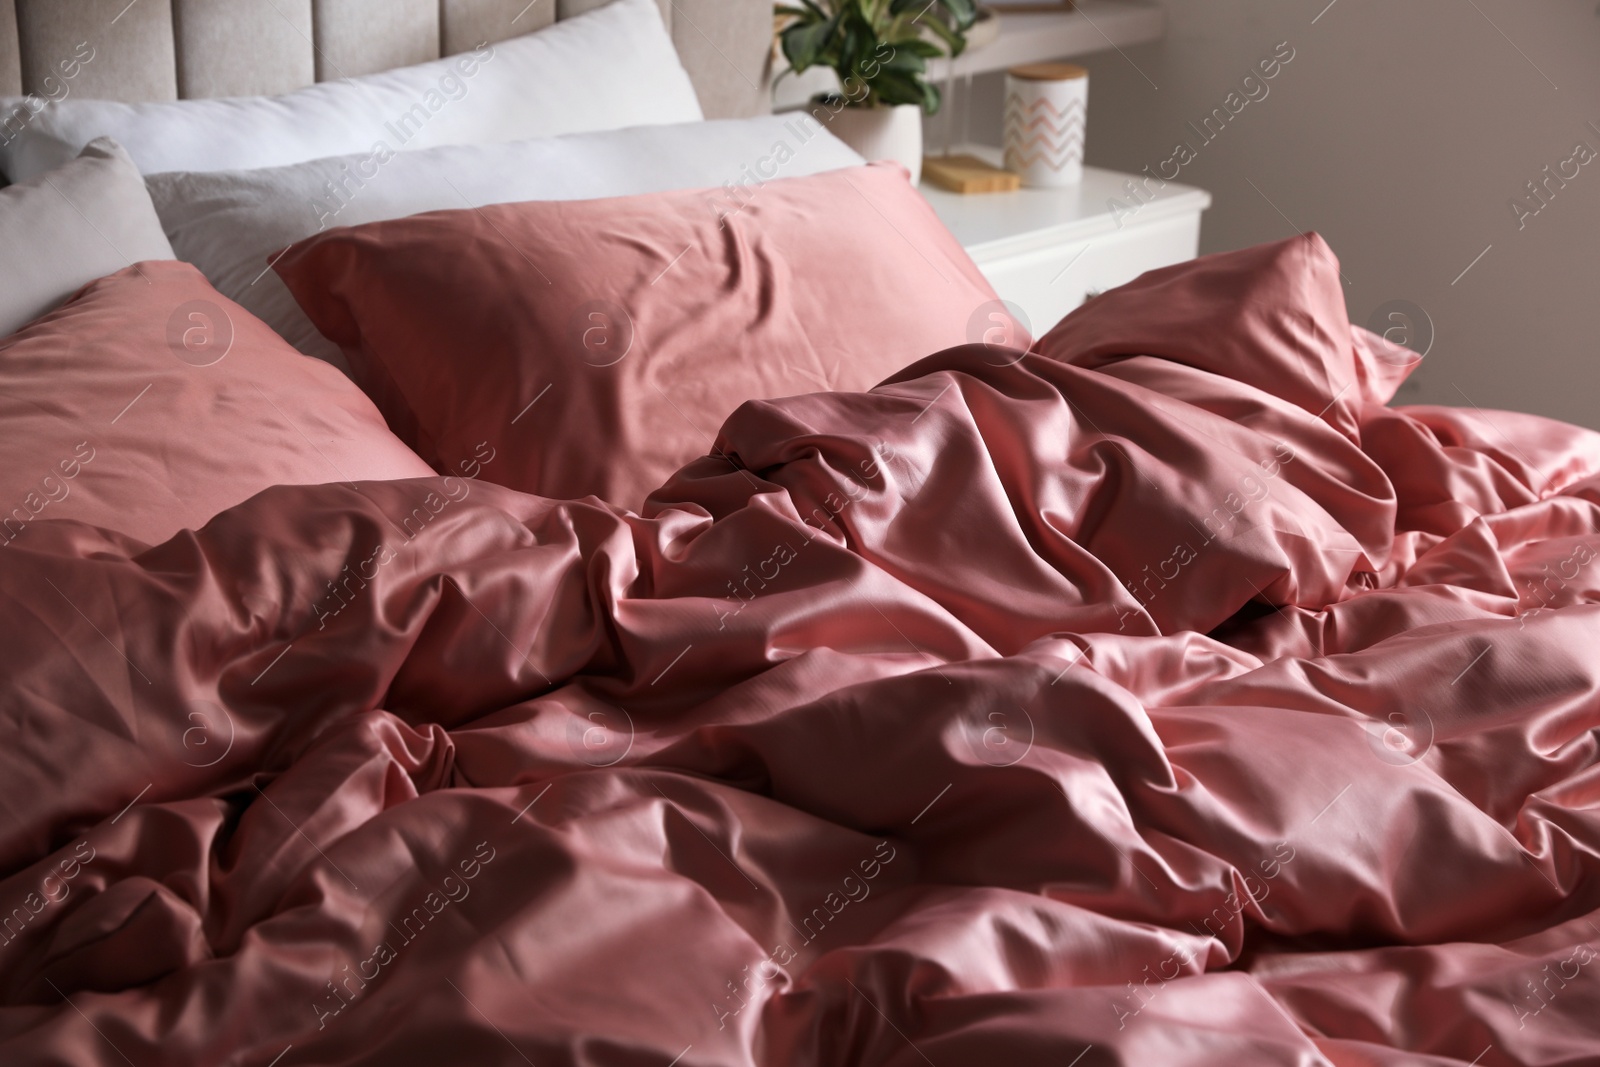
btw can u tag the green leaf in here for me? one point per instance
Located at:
(804, 43)
(855, 49)
(893, 87)
(905, 61)
(963, 13)
(917, 46)
(956, 42)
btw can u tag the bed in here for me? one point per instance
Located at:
(571, 577)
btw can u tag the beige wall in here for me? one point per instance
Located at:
(1400, 131)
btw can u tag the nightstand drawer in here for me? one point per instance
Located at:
(1047, 283)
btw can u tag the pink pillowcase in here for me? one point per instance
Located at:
(150, 402)
(1271, 316)
(599, 344)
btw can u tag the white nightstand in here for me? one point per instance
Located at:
(1046, 250)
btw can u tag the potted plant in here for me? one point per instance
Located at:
(880, 51)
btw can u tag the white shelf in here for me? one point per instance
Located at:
(1094, 26)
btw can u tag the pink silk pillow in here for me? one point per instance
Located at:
(600, 344)
(1271, 316)
(150, 402)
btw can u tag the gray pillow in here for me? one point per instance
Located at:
(64, 229)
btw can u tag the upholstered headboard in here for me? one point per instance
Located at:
(167, 49)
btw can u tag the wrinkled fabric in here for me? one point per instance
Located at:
(1018, 711)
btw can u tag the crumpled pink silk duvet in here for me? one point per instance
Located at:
(1163, 700)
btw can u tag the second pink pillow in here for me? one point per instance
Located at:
(599, 344)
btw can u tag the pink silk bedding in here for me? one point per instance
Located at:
(1015, 712)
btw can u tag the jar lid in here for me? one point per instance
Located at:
(1048, 72)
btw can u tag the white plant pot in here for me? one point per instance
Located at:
(893, 133)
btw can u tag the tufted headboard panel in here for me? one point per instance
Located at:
(170, 49)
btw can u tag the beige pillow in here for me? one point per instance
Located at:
(64, 229)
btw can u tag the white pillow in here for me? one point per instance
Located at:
(612, 67)
(64, 229)
(230, 224)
